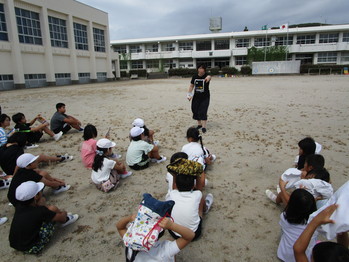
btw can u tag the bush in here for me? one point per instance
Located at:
(184, 72)
(123, 74)
(213, 71)
(246, 70)
(229, 71)
(140, 72)
(325, 69)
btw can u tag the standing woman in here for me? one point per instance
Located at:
(201, 98)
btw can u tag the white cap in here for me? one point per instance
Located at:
(105, 143)
(138, 122)
(25, 159)
(28, 190)
(136, 131)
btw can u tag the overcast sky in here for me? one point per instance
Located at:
(130, 19)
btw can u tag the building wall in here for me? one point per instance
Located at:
(37, 64)
(336, 52)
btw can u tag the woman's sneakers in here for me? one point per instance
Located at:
(3, 220)
(6, 183)
(270, 195)
(158, 161)
(127, 174)
(61, 189)
(65, 157)
(70, 219)
(209, 202)
(57, 136)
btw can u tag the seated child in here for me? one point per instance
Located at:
(307, 147)
(148, 134)
(288, 180)
(4, 122)
(293, 221)
(189, 203)
(15, 147)
(28, 171)
(33, 223)
(106, 172)
(195, 150)
(140, 153)
(162, 251)
(323, 251)
(34, 133)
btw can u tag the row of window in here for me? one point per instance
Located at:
(224, 44)
(326, 57)
(29, 31)
(43, 76)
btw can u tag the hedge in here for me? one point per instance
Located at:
(140, 72)
(246, 70)
(336, 69)
(186, 72)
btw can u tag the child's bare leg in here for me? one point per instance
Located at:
(154, 153)
(202, 206)
(200, 181)
(199, 123)
(120, 167)
(343, 239)
(278, 199)
(44, 158)
(204, 122)
(48, 131)
(151, 135)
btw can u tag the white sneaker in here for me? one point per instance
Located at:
(30, 146)
(209, 202)
(126, 175)
(162, 159)
(213, 158)
(278, 189)
(6, 182)
(270, 195)
(3, 220)
(61, 189)
(67, 157)
(71, 219)
(57, 136)
(156, 142)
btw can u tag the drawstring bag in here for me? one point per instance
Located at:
(143, 232)
(183, 166)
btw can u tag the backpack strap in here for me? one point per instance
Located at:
(133, 256)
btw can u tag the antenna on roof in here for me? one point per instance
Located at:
(215, 24)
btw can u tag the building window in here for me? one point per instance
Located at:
(152, 63)
(135, 49)
(262, 41)
(6, 77)
(345, 57)
(62, 75)
(242, 42)
(346, 37)
(241, 60)
(58, 32)
(123, 64)
(203, 45)
(3, 27)
(28, 24)
(222, 62)
(84, 75)
(169, 47)
(305, 39)
(185, 46)
(98, 38)
(284, 40)
(80, 34)
(101, 74)
(152, 48)
(328, 38)
(327, 57)
(121, 49)
(206, 62)
(35, 76)
(169, 64)
(222, 44)
(305, 58)
(138, 64)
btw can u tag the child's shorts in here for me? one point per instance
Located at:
(143, 164)
(45, 234)
(34, 137)
(197, 232)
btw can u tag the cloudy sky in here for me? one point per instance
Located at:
(130, 19)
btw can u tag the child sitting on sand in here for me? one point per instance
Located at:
(33, 223)
(34, 133)
(190, 205)
(307, 147)
(195, 150)
(140, 153)
(148, 134)
(293, 221)
(106, 172)
(4, 122)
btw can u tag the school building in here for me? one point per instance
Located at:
(312, 45)
(53, 42)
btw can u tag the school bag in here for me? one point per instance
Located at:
(143, 232)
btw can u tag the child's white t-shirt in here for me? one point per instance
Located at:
(103, 174)
(185, 212)
(162, 251)
(194, 152)
(290, 234)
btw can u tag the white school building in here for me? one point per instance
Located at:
(311, 45)
(53, 42)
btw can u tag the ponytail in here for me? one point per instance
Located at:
(202, 145)
(99, 158)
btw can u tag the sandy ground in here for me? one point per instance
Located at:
(254, 126)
